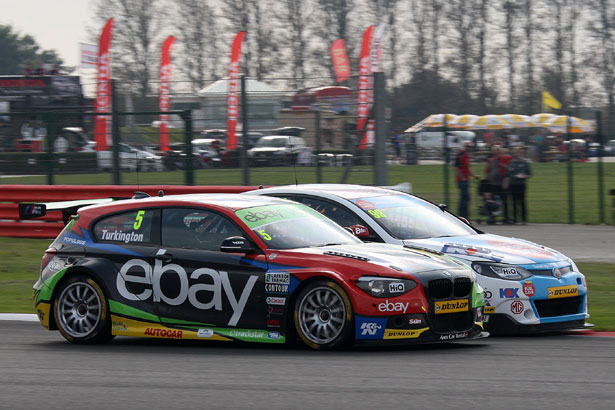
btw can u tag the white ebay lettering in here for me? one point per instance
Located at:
(186, 291)
(387, 306)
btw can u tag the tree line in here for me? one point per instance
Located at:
(461, 56)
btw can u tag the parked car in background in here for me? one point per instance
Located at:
(276, 150)
(176, 157)
(131, 159)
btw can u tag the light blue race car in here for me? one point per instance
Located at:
(528, 287)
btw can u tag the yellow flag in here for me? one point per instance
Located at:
(549, 101)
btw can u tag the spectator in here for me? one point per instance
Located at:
(519, 171)
(463, 172)
(496, 173)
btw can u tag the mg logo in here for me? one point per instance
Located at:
(370, 328)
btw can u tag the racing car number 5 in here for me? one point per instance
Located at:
(137, 224)
(264, 234)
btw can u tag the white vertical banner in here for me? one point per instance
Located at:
(88, 55)
(375, 60)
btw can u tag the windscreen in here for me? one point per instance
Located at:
(289, 226)
(407, 217)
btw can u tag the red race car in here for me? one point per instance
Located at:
(257, 269)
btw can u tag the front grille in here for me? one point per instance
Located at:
(549, 272)
(463, 286)
(558, 307)
(452, 322)
(440, 288)
(443, 288)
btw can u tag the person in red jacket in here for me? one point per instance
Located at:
(463, 172)
(496, 173)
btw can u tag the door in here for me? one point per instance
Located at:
(193, 281)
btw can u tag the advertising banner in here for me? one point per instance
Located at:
(89, 55)
(341, 65)
(164, 102)
(102, 123)
(363, 105)
(232, 99)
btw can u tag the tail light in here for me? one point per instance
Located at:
(47, 257)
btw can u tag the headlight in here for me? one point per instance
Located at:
(501, 271)
(385, 287)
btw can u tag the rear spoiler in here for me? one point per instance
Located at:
(30, 210)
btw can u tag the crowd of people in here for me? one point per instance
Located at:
(503, 184)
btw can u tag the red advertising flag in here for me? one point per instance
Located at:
(164, 102)
(232, 99)
(102, 123)
(341, 65)
(364, 86)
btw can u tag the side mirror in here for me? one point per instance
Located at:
(236, 244)
(359, 231)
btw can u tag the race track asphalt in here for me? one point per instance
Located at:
(582, 243)
(39, 370)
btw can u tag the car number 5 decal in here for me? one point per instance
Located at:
(137, 224)
(264, 234)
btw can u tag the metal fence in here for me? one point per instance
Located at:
(55, 144)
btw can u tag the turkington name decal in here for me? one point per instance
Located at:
(119, 236)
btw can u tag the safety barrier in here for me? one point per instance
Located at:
(51, 224)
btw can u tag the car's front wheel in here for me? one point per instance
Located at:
(81, 311)
(323, 315)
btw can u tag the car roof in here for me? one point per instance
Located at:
(346, 191)
(230, 201)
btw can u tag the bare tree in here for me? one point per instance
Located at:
(481, 18)
(511, 10)
(420, 21)
(437, 7)
(333, 23)
(572, 23)
(256, 18)
(602, 30)
(460, 15)
(528, 29)
(198, 40)
(298, 14)
(136, 32)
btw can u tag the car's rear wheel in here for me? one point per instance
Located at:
(81, 311)
(323, 315)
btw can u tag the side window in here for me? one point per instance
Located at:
(196, 229)
(134, 227)
(331, 210)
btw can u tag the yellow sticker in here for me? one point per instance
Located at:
(403, 333)
(451, 306)
(137, 224)
(377, 213)
(563, 291)
(489, 310)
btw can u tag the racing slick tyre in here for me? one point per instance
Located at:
(81, 311)
(323, 315)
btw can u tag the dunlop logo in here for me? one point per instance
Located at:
(403, 333)
(563, 291)
(451, 306)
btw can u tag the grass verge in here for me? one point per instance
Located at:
(22, 259)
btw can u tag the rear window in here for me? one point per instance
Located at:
(133, 227)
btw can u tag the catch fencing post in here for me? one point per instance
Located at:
(49, 157)
(245, 172)
(570, 181)
(317, 137)
(600, 169)
(115, 134)
(189, 175)
(445, 148)
(380, 177)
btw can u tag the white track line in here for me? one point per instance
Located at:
(19, 317)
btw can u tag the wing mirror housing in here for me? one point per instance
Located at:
(237, 244)
(359, 231)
